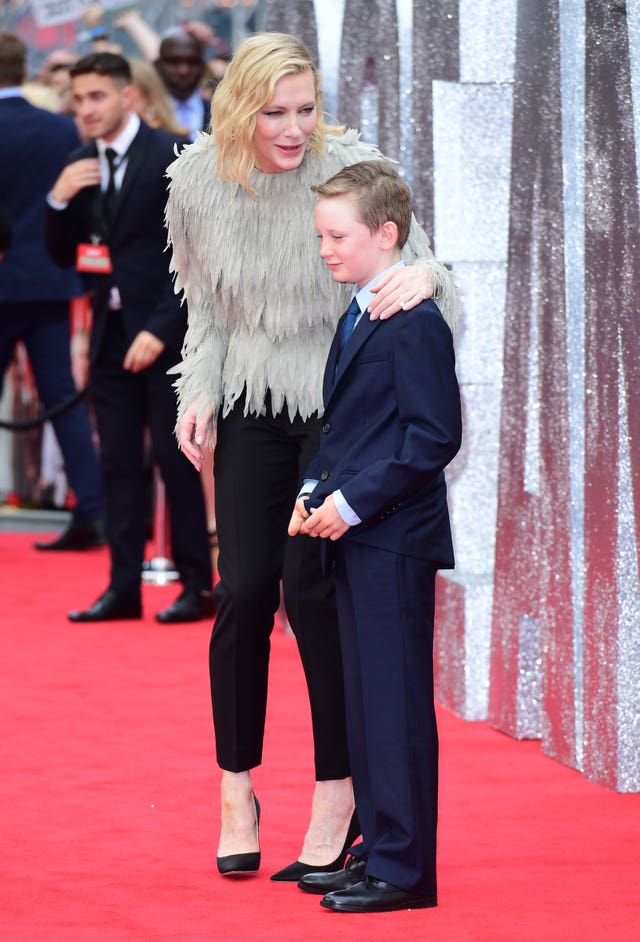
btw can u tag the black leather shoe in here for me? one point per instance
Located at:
(295, 871)
(375, 896)
(190, 605)
(321, 883)
(109, 607)
(242, 863)
(77, 536)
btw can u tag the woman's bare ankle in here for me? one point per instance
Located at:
(238, 825)
(331, 812)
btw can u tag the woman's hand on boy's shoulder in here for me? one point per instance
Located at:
(400, 290)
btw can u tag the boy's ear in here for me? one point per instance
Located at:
(388, 234)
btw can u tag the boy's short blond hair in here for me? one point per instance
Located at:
(378, 192)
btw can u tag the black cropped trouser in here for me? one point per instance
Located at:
(258, 466)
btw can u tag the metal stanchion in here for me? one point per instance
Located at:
(159, 570)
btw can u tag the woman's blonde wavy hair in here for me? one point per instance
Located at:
(248, 85)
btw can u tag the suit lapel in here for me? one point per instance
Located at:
(361, 333)
(135, 157)
(330, 368)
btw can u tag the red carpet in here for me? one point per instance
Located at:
(109, 811)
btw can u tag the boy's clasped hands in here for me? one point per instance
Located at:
(323, 521)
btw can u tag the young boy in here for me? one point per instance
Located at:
(376, 492)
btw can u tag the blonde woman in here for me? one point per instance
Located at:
(262, 312)
(151, 102)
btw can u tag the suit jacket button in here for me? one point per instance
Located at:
(324, 475)
(326, 428)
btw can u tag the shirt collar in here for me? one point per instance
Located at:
(190, 113)
(123, 141)
(192, 102)
(365, 295)
(12, 91)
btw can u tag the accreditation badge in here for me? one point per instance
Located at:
(94, 258)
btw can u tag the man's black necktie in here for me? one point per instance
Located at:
(348, 324)
(110, 194)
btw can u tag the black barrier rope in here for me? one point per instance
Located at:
(52, 413)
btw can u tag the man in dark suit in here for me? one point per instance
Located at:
(391, 424)
(34, 293)
(106, 212)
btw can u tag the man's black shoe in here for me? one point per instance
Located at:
(375, 896)
(77, 536)
(191, 605)
(109, 607)
(322, 883)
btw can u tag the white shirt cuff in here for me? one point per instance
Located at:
(308, 486)
(54, 204)
(346, 512)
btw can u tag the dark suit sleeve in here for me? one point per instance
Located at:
(429, 414)
(168, 319)
(313, 471)
(66, 228)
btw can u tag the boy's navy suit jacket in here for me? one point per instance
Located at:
(391, 424)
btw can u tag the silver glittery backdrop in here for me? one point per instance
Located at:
(612, 374)
(297, 18)
(572, 52)
(369, 96)
(533, 546)
(629, 522)
(529, 680)
(329, 23)
(472, 138)
(472, 126)
(532, 460)
(628, 681)
(487, 40)
(462, 643)
(436, 56)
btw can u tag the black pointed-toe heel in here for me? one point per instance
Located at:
(242, 863)
(299, 868)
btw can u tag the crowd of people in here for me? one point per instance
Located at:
(316, 479)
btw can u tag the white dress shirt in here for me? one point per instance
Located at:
(190, 112)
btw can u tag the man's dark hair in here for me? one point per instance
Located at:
(13, 59)
(103, 63)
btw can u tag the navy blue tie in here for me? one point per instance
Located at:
(349, 322)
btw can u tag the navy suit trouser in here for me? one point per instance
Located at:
(43, 326)
(385, 612)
